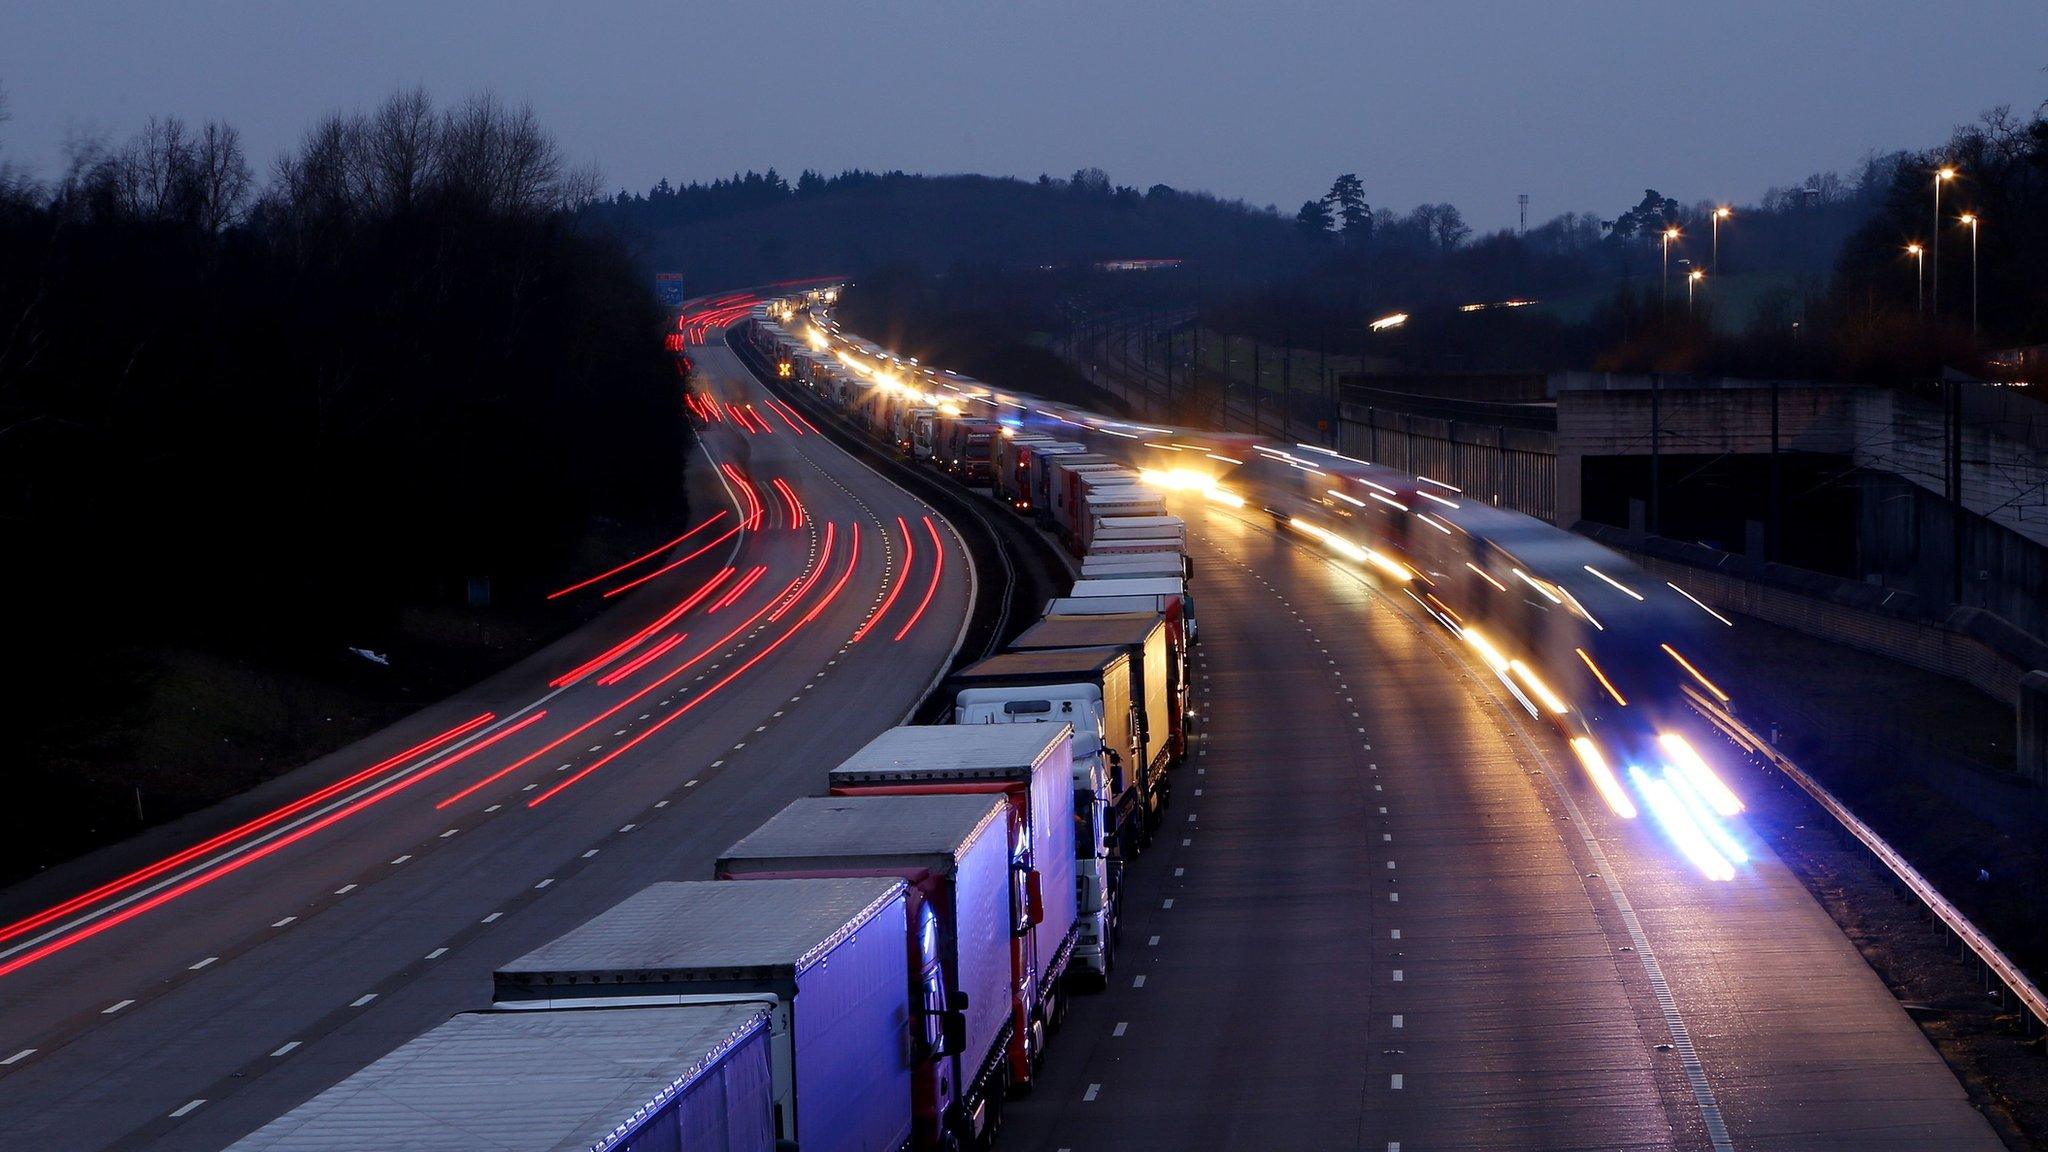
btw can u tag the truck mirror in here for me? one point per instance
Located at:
(1034, 891)
(953, 1033)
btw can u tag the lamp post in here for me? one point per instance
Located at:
(1970, 218)
(1919, 256)
(1720, 214)
(1664, 285)
(1941, 176)
(1692, 283)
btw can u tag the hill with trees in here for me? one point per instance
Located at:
(248, 426)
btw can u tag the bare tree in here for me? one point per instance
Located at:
(219, 175)
(403, 148)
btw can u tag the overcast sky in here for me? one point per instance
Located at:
(1580, 104)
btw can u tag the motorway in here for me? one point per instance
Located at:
(1388, 913)
(355, 902)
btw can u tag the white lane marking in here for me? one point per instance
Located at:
(187, 1107)
(1383, 809)
(1090, 1094)
(1120, 1026)
(492, 918)
(365, 998)
(202, 964)
(198, 866)
(1166, 903)
(529, 787)
(1137, 982)
(1390, 865)
(494, 807)
(589, 854)
(1180, 871)
(1191, 817)
(661, 803)
(1400, 1021)
(1152, 943)
(1397, 934)
(289, 1045)
(544, 883)
(628, 827)
(403, 859)
(18, 1057)
(1397, 1082)
(113, 1008)
(283, 922)
(344, 890)
(437, 953)
(1397, 976)
(1393, 897)
(1387, 837)
(688, 784)
(450, 832)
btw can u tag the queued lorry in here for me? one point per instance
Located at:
(963, 445)
(954, 855)
(828, 959)
(1169, 595)
(629, 1079)
(1095, 692)
(1033, 768)
(1020, 462)
(1156, 676)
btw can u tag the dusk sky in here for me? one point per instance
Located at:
(1579, 104)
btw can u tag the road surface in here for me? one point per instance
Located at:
(1388, 914)
(188, 1005)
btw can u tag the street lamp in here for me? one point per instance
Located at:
(1692, 283)
(1720, 214)
(1919, 256)
(1941, 176)
(1664, 286)
(1970, 218)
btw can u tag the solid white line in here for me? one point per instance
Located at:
(359, 1001)
(187, 1108)
(287, 1048)
(18, 1057)
(113, 1008)
(202, 964)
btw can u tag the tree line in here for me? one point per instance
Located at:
(271, 414)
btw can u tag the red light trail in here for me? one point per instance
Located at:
(940, 550)
(796, 506)
(909, 554)
(739, 589)
(301, 804)
(642, 660)
(248, 858)
(637, 559)
(852, 561)
(675, 564)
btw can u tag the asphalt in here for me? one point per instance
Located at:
(254, 991)
(1389, 914)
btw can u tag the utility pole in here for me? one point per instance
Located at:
(1523, 201)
